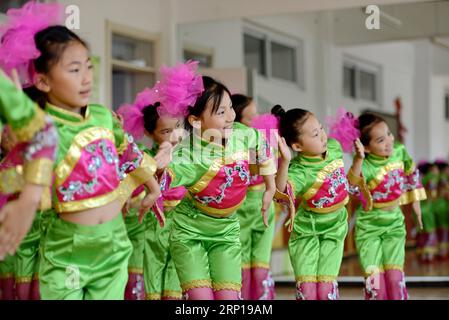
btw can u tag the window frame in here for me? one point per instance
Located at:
(269, 36)
(361, 65)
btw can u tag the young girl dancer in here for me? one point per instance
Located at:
(86, 249)
(256, 239)
(158, 113)
(386, 178)
(213, 164)
(314, 184)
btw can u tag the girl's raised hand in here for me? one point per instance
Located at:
(284, 150)
(359, 149)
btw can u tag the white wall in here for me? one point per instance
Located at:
(438, 125)
(397, 65)
(224, 37)
(142, 14)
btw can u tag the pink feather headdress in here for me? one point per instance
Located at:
(177, 90)
(344, 129)
(17, 46)
(268, 124)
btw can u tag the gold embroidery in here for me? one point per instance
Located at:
(213, 170)
(153, 296)
(11, 180)
(36, 123)
(94, 202)
(302, 279)
(393, 267)
(380, 177)
(172, 294)
(135, 270)
(412, 196)
(326, 278)
(203, 283)
(145, 171)
(321, 177)
(217, 286)
(214, 212)
(39, 171)
(81, 140)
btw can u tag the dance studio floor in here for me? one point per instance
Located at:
(424, 281)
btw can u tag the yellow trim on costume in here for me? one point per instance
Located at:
(171, 203)
(172, 294)
(382, 172)
(68, 113)
(11, 180)
(153, 296)
(39, 171)
(389, 204)
(203, 283)
(213, 170)
(321, 177)
(135, 270)
(257, 187)
(261, 265)
(326, 278)
(7, 275)
(80, 141)
(36, 276)
(214, 212)
(412, 196)
(21, 280)
(123, 146)
(302, 279)
(333, 208)
(36, 123)
(376, 270)
(126, 188)
(393, 267)
(360, 182)
(145, 171)
(246, 265)
(234, 286)
(90, 203)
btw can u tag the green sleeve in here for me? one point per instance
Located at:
(19, 111)
(296, 178)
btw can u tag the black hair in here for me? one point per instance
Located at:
(366, 122)
(290, 122)
(51, 43)
(239, 103)
(150, 117)
(214, 92)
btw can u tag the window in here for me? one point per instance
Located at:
(8, 4)
(255, 54)
(132, 63)
(204, 55)
(273, 55)
(283, 62)
(361, 80)
(349, 81)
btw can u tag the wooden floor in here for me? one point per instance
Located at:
(351, 266)
(351, 293)
(424, 281)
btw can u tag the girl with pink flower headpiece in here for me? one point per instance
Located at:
(384, 177)
(158, 113)
(86, 249)
(214, 163)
